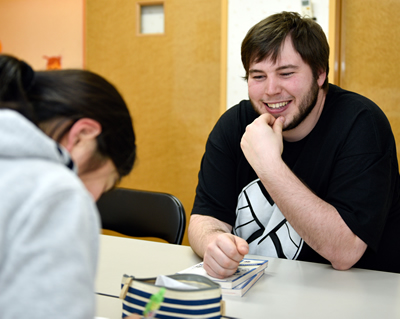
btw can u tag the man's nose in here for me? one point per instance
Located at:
(272, 86)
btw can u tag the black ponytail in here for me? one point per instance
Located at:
(63, 96)
(16, 78)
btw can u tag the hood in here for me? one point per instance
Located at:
(20, 138)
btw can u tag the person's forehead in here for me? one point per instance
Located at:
(287, 56)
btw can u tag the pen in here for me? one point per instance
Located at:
(154, 303)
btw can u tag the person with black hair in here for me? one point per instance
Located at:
(303, 169)
(66, 137)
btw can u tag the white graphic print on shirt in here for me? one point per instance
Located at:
(261, 223)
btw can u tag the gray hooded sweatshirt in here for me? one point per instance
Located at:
(49, 228)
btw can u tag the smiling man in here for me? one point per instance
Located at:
(303, 169)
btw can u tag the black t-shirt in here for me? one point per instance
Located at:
(349, 160)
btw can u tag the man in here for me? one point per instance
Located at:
(304, 170)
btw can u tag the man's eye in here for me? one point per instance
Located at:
(287, 74)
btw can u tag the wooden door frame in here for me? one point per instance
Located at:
(334, 38)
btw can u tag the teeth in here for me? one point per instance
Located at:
(276, 105)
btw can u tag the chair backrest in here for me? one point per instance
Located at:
(140, 213)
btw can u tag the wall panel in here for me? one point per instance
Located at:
(172, 83)
(370, 54)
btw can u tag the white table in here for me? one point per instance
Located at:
(289, 289)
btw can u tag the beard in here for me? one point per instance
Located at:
(306, 106)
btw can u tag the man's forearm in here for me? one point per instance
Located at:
(202, 230)
(315, 220)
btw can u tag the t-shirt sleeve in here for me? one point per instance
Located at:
(216, 192)
(363, 179)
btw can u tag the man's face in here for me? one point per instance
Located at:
(285, 88)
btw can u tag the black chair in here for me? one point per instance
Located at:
(140, 213)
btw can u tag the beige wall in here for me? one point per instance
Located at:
(30, 29)
(369, 55)
(173, 84)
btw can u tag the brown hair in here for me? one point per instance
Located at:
(265, 40)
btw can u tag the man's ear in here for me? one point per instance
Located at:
(83, 129)
(321, 77)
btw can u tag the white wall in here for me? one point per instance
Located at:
(242, 15)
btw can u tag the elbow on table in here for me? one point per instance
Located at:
(347, 258)
(346, 263)
(342, 266)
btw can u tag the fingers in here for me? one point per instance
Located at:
(219, 266)
(277, 127)
(268, 118)
(242, 246)
(224, 254)
(262, 141)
